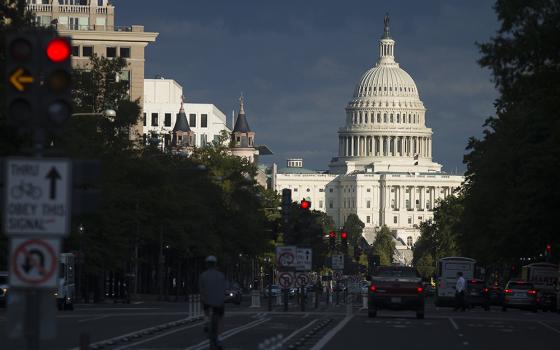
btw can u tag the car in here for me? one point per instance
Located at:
(275, 291)
(233, 293)
(520, 295)
(3, 287)
(546, 300)
(476, 294)
(495, 294)
(396, 288)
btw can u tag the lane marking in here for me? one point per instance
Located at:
(118, 308)
(306, 315)
(453, 323)
(327, 337)
(93, 318)
(158, 336)
(285, 340)
(549, 327)
(229, 333)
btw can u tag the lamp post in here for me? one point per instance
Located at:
(81, 231)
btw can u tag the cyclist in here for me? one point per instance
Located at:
(212, 286)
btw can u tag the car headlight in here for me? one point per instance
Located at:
(55, 294)
(5, 290)
(230, 294)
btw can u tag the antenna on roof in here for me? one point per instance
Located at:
(232, 119)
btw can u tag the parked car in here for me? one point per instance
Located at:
(477, 294)
(396, 288)
(3, 287)
(275, 291)
(495, 294)
(233, 293)
(520, 295)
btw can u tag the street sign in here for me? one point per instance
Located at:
(33, 262)
(37, 197)
(302, 279)
(338, 262)
(285, 257)
(303, 259)
(286, 279)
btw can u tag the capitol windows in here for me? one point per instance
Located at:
(295, 189)
(390, 88)
(395, 219)
(391, 120)
(409, 241)
(368, 219)
(368, 204)
(420, 218)
(409, 118)
(330, 190)
(154, 119)
(308, 190)
(375, 88)
(409, 220)
(384, 88)
(321, 190)
(369, 189)
(398, 118)
(321, 204)
(378, 117)
(385, 118)
(330, 204)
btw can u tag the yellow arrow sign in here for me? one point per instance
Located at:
(18, 79)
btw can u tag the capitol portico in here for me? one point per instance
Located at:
(384, 171)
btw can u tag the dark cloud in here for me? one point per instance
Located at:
(297, 63)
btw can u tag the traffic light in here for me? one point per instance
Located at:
(22, 73)
(38, 70)
(332, 240)
(56, 95)
(305, 204)
(344, 242)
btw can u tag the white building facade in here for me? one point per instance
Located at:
(384, 171)
(162, 101)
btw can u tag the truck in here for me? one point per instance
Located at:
(447, 269)
(66, 286)
(545, 277)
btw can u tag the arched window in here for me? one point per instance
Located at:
(398, 118)
(385, 118)
(360, 117)
(379, 117)
(391, 118)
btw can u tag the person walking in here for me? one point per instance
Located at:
(212, 287)
(460, 292)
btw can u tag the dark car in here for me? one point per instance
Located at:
(396, 288)
(495, 294)
(233, 293)
(520, 295)
(477, 294)
(546, 300)
(3, 287)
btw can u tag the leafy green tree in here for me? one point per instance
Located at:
(511, 188)
(384, 246)
(354, 227)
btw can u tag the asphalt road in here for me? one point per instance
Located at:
(166, 326)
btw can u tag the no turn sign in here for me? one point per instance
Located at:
(33, 262)
(286, 279)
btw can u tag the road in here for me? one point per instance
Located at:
(166, 326)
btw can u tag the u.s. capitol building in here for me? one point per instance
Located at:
(384, 171)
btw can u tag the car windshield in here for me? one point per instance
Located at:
(396, 272)
(519, 285)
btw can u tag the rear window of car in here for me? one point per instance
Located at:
(396, 272)
(519, 285)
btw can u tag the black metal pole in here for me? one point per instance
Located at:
(302, 296)
(286, 296)
(270, 279)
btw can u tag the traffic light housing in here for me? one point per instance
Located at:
(332, 240)
(344, 242)
(305, 204)
(38, 73)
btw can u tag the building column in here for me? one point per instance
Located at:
(413, 197)
(382, 145)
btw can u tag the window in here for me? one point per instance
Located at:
(379, 117)
(391, 120)
(369, 189)
(192, 120)
(398, 118)
(203, 120)
(320, 204)
(295, 189)
(124, 52)
(330, 204)
(75, 51)
(144, 119)
(321, 190)
(154, 119)
(331, 190)
(368, 219)
(203, 140)
(419, 218)
(73, 23)
(87, 51)
(308, 190)
(395, 219)
(111, 52)
(167, 120)
(368, 204)
(385, 118)
(409, 241)
(409, 220)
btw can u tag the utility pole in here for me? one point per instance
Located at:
(161, 262)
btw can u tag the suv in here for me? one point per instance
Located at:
(396, 288)
(233, 293)
(521, 295)
(3, 287)
(476, 294)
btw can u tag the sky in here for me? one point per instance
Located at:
(297, 62)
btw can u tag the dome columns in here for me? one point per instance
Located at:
(384, 146)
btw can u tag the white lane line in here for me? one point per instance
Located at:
(118, 308)
(93, 318)
(453, 323)
(323, 341)
(306, 315)
(158, 336)
(549, 327)
(230, 333)
(285, 340)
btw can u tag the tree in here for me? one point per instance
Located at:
(384, 246)
(511, 188)
(354, 227)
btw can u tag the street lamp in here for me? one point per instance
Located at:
(83, 292)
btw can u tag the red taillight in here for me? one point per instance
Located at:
(373, 288)
(532, 292)
(485, 290)
(420, 289)
(508, 291)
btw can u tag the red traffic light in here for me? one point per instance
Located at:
(305, 204)
(58, 50)
(332, 234)
(548, 247)
(343, 235)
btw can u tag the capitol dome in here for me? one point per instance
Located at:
(386, 79)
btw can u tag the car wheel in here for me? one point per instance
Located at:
(372, 313)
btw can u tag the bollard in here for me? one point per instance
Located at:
(199, 305)
(191, 309)
(279, 299)
(364, 300)
(255, 299)
(348, 301)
